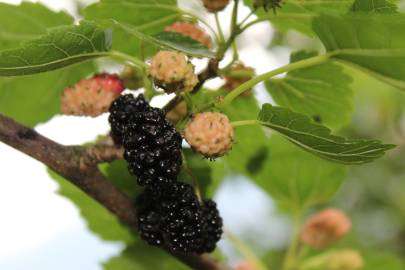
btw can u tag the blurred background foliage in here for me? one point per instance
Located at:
(373, 194)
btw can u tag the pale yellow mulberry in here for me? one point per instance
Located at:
(173, 72)
(210, 134)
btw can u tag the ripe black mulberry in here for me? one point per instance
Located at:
(174, 217)
(121, 110)
(152, 148)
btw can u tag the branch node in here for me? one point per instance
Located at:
(99, 154)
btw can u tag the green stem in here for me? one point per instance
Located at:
(189, 101)
(148, 86)
(291, 16)
(196, 185)
(235, 51)
(245, 123)
(149, 90)
(291, 256)
(246, 252)
(234, 31)
(315, 262)
(234, 22)
(287, 68)
(147, 83)
(206, 106)
(235, 57)
(128, 58)
(236, 73)
(248, 16)
(302, 253)
(220, 32)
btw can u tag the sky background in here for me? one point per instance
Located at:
(41, 230)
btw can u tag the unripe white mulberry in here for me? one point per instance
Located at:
(325, 228)
(192, 31)
(172, 72)
(91, 97)
(238, 75)
(210, 134)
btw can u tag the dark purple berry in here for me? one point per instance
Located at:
(121, 110)
(175, 215)
(152, 148)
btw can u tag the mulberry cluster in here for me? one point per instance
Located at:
(169, 212)
(174, 217)
(152, 145)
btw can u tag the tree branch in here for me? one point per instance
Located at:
(68, 162)
(65, 160)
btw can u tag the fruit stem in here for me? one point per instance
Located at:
(245, 250)
(128, 58)
(237, 73)
(316, 261)
(205, 107)
(268, 17)
(247, 17)
(189, 101)
(245, 123)
(234, 31)
(235, 57)
(291, 255)
(196, 185)
(221, 39)
(302, 253)
(316, 60)
(148, 86)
